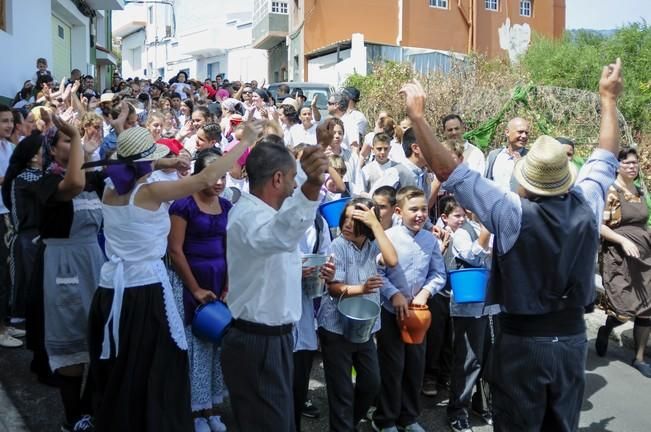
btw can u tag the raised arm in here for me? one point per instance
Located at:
(437, 156)
(74, 181)
(610, 87)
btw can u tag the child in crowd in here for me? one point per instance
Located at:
(384, 199)
(419, 274)
(41, 70)
(374, 171)
(361, 244)
(208, 136)
(334, 187)
(468, 248)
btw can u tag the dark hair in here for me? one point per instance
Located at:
(267, 158)
(388, 192)
(359, 228)
(408, 192)
(175, 95)
(408, 138)
(352, 93)
(449, 117)
(4, 108)
(19, 161)
(184, 74)
(448, 204)
(297, 92)
(189, 104)
(566, 141)
(263, 94)
(291, 114)
(18, 118)
(626, 152)
(205, 157)
(284, 88)
(381, 137)
(213, 131)
(205, 112)
(341, 101)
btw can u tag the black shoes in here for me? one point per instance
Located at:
(460, 424)
(601, 343)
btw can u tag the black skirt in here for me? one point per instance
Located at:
(146, 388)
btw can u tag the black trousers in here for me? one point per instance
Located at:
(402, 367)
(471, 345)
(348, 403)
(438, 361)
(302, 368)
(5, 279)
(537, 383)
(258, 372)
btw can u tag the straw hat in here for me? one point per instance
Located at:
(137, 144)
(291, 102)
(545, 170)
(106, 97)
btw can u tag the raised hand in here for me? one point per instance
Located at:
(365, 215)
(611, 83)
(66, 128)
(315, 164)
(414, 99)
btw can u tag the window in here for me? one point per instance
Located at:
(525, 8)
(442, 4)
(279, 7)
(150, 14)
(491, 4)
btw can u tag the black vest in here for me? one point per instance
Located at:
(551, 267)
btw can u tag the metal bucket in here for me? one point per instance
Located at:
(313, 284)
(359, 315)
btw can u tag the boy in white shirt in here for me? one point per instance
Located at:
(374, 171)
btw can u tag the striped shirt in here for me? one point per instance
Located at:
(501, 212)
(420, 265)
(353, 267)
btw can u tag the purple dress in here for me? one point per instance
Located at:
(204, 248)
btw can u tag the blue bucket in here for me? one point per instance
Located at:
(211, 321)
(469, 285)
(331, 211)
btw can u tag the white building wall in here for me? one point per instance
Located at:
(328, 69)
(133, 66)
(246, 64)
(21, 45)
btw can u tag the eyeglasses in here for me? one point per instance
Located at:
(331, 103)
(247, 92)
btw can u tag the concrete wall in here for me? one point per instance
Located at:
(131, 68)
(277, 70)
(246, 64)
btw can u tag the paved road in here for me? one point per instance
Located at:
(618, 398)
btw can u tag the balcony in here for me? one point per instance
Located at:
(205, 42)
(106, 4)
(128, 21)
(270, 30)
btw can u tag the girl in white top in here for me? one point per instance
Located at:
(136, 336)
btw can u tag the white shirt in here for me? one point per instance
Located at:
(351, 133)
(300, 135)
(264, 262)
(6, 149)
(396, 152)
(373, 172)
(356, 117)
(474, 157)
(503, 170)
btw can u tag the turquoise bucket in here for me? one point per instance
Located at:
(331, 211)
(211, 321)
(469, 285)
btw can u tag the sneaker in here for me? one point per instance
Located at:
(15, 332)
(310, 410)
(216, 424)
(414, 427)
(84, 424)
(601, 343)
(7, 341)
(460, 424)
(370, 412)
(201, 425)
(376, 428)
(643, 367)
(429, 388)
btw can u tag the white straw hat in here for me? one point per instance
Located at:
(545, 170)
(137, 144)
(106, 97)
(291, 102)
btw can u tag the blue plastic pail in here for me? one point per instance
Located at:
(211, 321)
(469, 285)
(331, 211)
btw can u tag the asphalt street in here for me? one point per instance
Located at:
(617, 398)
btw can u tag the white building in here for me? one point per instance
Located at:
(161, 39)
(66, 35)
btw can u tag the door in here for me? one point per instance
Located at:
(61, 49)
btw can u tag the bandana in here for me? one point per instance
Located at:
(124, 176)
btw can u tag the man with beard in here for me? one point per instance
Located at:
(104, 110)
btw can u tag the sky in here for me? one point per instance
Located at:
(605, 14)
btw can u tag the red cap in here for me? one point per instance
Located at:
(174, 145)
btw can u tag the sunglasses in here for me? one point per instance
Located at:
(331, 103)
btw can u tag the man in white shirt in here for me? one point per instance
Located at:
(500, 162)
(454, 128)
(337, 107)
(352, 112)
(264, 274)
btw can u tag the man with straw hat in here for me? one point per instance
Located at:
(538, 360)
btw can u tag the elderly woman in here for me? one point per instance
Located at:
(626, 260)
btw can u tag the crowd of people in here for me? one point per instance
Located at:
(125, 210)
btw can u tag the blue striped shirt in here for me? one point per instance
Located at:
(501, 212)
(420, 265)
(353, 267)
